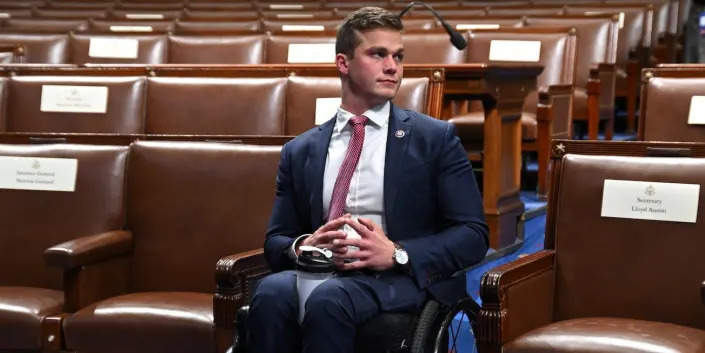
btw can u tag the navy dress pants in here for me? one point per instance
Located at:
(333, 310)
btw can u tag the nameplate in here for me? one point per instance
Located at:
(286, 6)
(620, 20)
(74, 99)
(144, 16)
(131, 28)
(326, 108)
(45, 174)
(696, 115)
(648, 200)
(465, 26)
(515, 50)
(5, 15)
(314, 28)
(311, 53)
(294, 15)
(113, 48)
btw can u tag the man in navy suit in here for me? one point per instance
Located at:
(394, 184)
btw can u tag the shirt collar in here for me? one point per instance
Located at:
(379, 115)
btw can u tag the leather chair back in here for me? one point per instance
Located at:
(302, 93)
(144, 14)
(124, 111)
(431, 47)
(668, 95)
(281, 25)
(40, 48)
(17, 12)
(215, 202)
(491, 22)
(206, 27)
(71, 14)
(33, 221)
(618, 267)
(526, 10)
(597, 40)
(215, 106)
(558, 54)
(137, 5)
(32, 24)
(151, 49)
(216, 49)
(635, 28)
(220, 15)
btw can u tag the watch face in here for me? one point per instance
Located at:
(401, 257)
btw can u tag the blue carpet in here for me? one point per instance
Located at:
(533, 241)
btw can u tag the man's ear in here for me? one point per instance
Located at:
(341, 62)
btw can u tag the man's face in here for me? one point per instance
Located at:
(375, 72)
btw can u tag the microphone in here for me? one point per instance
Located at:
(455, 37)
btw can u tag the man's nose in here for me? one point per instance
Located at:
(390, 65)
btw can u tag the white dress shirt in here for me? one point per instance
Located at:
(366, 194)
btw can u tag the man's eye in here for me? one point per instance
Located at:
(378, 54)
(399, 57)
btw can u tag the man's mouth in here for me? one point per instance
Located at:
(389, 81)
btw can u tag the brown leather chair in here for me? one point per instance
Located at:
(542, 119)
(215, 105)
(16, 12)
(70, 14)
(32, 295)
(415, 94)
(189, 206)
(215, 27)
(130, 26)
(149, 6)
(124, 111)
(595, 78)
(603, 284)
(277, 47)
(68, 5)
(666, 102)
(211, 5)
(526, 10)
(12, 54)
(281, 25)
(465, 23)
(40, 48)
(140, 14)
(151, 49)
(633, 48)
(216, 49)
(60, 26)
(220, 15)
(431, 47)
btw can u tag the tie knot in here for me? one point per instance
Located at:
(357, 120)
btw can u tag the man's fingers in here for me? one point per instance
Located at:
(367, 223)
(350, 242)
(334, 224)
(355, 254)
(329, 236)
(351, 266)
(359, 228)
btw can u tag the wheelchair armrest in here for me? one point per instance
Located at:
(240, 340)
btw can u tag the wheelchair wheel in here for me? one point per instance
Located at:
(434, 327)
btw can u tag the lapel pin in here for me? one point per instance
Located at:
(399, 133)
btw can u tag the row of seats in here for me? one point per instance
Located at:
(132, 249)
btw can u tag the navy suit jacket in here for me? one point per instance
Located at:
(432, 204)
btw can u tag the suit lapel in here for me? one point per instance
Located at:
(398, 138)
(315, 169)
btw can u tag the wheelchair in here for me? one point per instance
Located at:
(427, 331)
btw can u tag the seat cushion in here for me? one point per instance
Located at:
(144, 322)
(22, 310)
(596, 335)
(471, 126)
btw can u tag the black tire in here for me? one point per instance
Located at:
(425, 327)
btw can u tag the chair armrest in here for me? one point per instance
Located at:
(85, 250)
(235, 277)
(559, 99)
(516, 298)
(606, 77)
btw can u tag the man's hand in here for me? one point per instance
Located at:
(375, 249)
(325, 235)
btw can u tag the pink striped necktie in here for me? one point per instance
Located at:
(347, 169)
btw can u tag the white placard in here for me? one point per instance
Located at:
(131, 29)
(621, 16)
(30, 173)
(113, 48)
(74, 99)
(294, 15)
(326, 108)
(702, 21)
(315, 28)
(649, 200)
(144, 16)
(515, 50)
(696, 115)
(465, 26)
(311, 53)
(5, 15)
(286, 6)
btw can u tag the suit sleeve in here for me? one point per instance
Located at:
(284, 226)
(462, 239)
